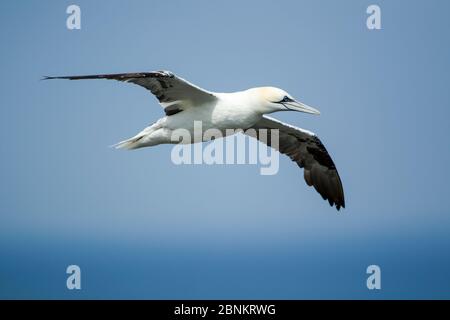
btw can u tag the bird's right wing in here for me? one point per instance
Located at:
(309, 153)
(173, 93)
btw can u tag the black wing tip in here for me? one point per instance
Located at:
(339, 205)
(117, 76)
(332, 201)
(56, 78)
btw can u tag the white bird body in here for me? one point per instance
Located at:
(230, 111)
(185, 104)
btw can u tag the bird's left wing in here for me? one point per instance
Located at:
(309, 153)
(173, 93)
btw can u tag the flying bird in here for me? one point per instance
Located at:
(184, 103)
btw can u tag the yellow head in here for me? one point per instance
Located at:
(271, 99)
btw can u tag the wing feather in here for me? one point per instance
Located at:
(173, 93)
(306, 149)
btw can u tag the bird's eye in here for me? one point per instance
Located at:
(286, 99)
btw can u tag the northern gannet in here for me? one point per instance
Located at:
(184, 103)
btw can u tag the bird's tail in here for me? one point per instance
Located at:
(145, 138)
(129, 144)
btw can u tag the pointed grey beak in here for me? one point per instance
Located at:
(301, 107)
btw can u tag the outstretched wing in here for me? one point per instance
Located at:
(173, 93)
(309, 153)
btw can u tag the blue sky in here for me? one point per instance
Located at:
(141, 227)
